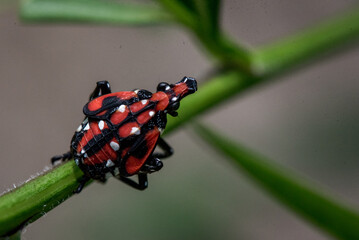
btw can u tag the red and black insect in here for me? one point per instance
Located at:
(122, 129)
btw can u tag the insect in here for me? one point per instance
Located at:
(121, 130)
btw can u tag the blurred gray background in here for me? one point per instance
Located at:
(307, 121)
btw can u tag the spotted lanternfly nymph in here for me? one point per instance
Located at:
(122, 129)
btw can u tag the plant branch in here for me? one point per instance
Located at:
(91, 11)
(194, 16)
(299, 195)
(308, 44)
(34, 198)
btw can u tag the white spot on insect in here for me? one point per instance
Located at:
(108, 85)
(77, 161)
(135, 130)
(161, 130)
(151, 113)
(87, 127)
(85, 155)
(136, 91)
(79, 128)
(174, 99)
(101, 124)
(167, 88)
(185, 80)
(144, 101)
(82, 151)
(109, 163)
(115, 146)
(122, 108)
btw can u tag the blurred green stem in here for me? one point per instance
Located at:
(272, 60)
(210, 94)
(308, 44)
(92, 11)
(298, 194)
(227, 52)
(275, 57)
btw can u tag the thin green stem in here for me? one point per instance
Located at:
(35, 198)
(182, 14)
(209, 95)
(308, 44)
(91, 11)
(208, 11)
(208, 33)
(297, 193)
(228, 53)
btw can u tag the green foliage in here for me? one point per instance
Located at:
(91, 11)
(299, 195)
(241, 68)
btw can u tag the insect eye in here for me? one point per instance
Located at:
(163, 86)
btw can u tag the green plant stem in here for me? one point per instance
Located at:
(308, 44)
(91, 11)
(300, 195)
(35, 198)
(209, 95)
(27, 203)
(216, 42)
(182, 14)
(228, 54)
(15, 236)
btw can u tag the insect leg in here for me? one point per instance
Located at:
(102, 87)
(168, 150)
(152, 165)
(82, 182)
(142, 181)
(103, 179)
(63, 157)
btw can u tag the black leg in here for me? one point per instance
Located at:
(102, 87)
(82, 183)
(168, 150)
(103, 179)
(112, 171)
(142, 181)
(151, 165)
(63, 157)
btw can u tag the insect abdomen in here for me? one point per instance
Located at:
(97, 144)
